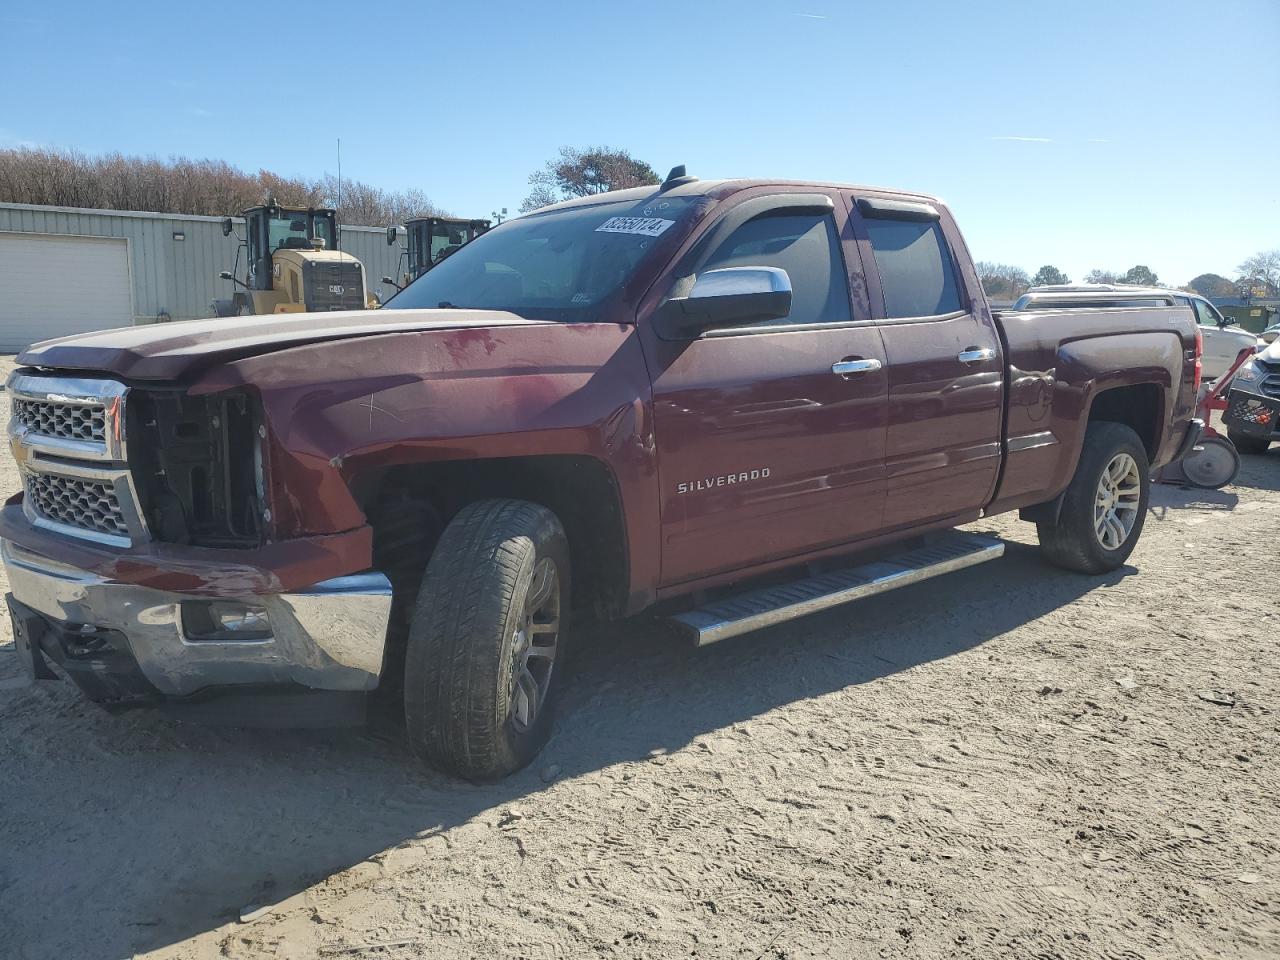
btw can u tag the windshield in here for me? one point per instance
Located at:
(291, 231)
(555, 266)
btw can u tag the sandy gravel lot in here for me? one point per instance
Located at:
(1010, 762)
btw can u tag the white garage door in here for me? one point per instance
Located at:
(54, 286)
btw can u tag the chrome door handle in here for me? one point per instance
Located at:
(845, 367)
(976, 355)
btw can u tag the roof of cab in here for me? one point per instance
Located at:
(719, 189)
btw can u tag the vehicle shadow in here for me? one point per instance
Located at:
(1166, 497)
(134, 833)
(1260, 471)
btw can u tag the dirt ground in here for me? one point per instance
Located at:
(1010, 762)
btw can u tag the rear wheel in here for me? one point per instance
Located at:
(1248, 444)
(1105, 504)
(485, 654)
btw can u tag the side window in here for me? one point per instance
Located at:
(915, 267)
(806, 246)
(1204, 314)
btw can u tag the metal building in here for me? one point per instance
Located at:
(67, 270)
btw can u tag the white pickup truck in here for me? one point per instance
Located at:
(1223, 340)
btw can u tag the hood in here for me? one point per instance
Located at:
(168, 351)
(1272, 353)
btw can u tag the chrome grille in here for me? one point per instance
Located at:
(68, 434)
(74, 502)
(66, 421)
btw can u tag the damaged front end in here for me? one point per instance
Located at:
(141, 558)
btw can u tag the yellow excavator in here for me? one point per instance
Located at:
(430, 240)
(294, 264)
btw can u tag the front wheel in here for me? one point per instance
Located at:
(1105, 504)
(484, 663)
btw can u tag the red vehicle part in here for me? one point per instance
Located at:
(1214, 461)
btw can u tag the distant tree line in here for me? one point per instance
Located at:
(1258, 276)
(114, 181)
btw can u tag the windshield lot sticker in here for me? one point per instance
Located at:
(640, 226)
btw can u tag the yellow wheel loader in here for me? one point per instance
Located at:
(294, 265)
(430, 240)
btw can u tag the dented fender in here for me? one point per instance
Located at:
(335, 410)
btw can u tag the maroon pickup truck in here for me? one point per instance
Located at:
(741, 401)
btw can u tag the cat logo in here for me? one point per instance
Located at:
(337, 288)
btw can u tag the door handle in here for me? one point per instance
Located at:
(976, 355)
(846, 367)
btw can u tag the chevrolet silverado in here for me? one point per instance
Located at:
(732, 401)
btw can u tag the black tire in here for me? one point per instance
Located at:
(1074, 543)
(1246, 443)
(467, 634)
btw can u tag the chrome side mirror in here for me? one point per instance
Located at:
(727, 297)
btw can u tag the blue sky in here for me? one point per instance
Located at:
(1086, 134)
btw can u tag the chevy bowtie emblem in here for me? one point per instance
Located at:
(21, 452)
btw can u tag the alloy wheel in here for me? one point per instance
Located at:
(1115, 508)
(534, 644)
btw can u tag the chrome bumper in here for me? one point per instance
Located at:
(329, 637)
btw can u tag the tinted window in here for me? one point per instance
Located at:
(804, 245)
(915, 268)
(558, 265)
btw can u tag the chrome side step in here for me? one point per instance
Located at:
(770, 605)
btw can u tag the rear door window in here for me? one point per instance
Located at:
(916, 272)
(806, 246)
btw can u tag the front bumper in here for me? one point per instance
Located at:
(125, 643)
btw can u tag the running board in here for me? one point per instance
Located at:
(770, 605)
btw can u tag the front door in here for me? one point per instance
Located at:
(1221, 347)
(946, 370)
(764, 451)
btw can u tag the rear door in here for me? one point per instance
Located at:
(766, 449)
(946, 374)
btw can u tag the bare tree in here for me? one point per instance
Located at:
(1261, 270)
(1103, 276)
(113, 181)
(580, 173)
(1000, 281)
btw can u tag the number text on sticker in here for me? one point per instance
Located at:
(641, 226)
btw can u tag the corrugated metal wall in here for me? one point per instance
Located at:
(180, 277)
